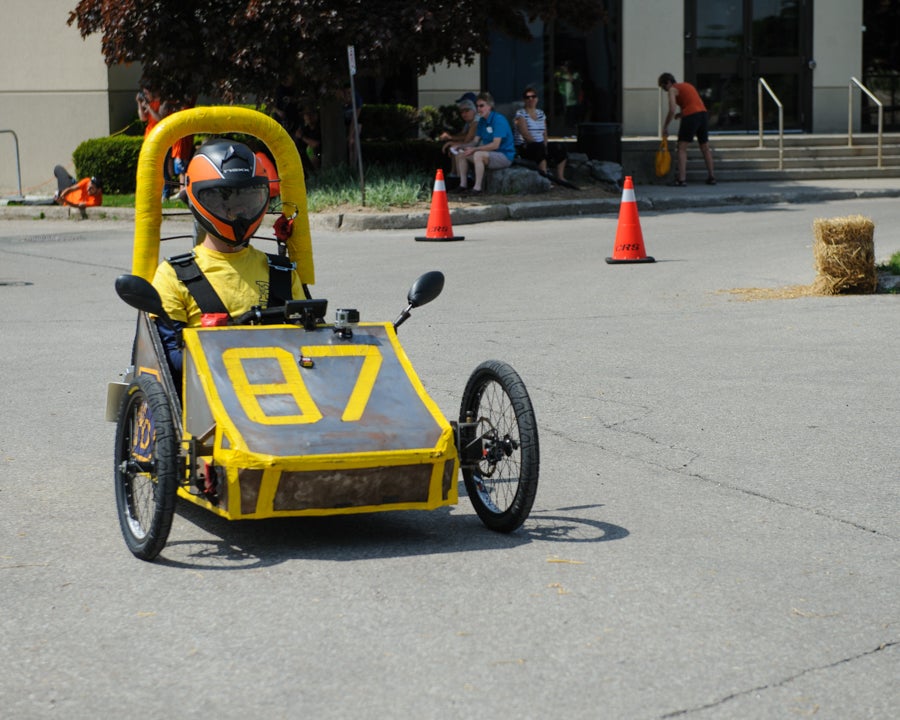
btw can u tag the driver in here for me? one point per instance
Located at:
(228, 193)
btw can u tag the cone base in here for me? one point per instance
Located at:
(613, 261)
(454, 238)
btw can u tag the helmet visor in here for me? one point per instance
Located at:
(233, 203)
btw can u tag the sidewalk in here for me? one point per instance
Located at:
(658, 198)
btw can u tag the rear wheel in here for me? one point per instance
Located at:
(503, 482)
(146, 467)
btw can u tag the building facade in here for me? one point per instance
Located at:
(806, 50)
(56, 90)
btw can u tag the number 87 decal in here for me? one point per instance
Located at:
(248, 393)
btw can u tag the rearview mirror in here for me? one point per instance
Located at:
(141, 295)
(425, 289)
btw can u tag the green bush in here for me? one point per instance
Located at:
(113, 159)
(417, 156)
(451, 120)
(894, 264)
(389, 122)
(431, 123)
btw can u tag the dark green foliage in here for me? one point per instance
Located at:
(241, 50)
(389, 122)
(234, 48)
(419, 156)
(433, 121)
(894, 264)
(113, 159)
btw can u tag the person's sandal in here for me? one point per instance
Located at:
(679, 183)
(710, 180)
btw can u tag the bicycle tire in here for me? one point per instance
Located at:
(146, 467)
(502, 486)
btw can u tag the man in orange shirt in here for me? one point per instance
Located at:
(87, 192)
(685, 102)
(151, 108)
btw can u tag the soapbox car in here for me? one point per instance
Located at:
(280, 413)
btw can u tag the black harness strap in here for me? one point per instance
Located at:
(195, 281)
(187, 270)
(280, 274)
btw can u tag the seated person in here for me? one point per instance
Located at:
(228, 193)
(87, 192)
(466, 110)
(492, 147)
(530, 125)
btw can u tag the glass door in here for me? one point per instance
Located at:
(730, 44)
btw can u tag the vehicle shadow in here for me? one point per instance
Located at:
(252, 544)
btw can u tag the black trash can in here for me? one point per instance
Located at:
(601, 141)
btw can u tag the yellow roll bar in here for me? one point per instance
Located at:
(217, 120)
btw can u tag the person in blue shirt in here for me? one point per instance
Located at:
(493, 147)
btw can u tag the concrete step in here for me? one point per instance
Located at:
(772, 151)
(793, 163)
(805, 157)
(726, 174)
(797, 140)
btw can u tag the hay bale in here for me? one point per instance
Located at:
(844, 251)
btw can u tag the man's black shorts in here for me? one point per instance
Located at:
(694, 124)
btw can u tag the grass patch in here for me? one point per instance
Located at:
(127, 201)
(892, 265)
(386, 187)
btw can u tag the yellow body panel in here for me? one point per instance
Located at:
(353, 432)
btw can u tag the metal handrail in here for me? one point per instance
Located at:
(762, 84)
(854, 81)
(659, 112)
(18, 167)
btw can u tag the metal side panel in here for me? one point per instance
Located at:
(333, 424)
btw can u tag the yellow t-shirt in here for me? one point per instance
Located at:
(240, 279)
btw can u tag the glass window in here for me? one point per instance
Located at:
(575, 71)
(720, 28)
(776, 28)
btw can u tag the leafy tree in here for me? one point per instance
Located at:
(241, 48)
(233, 48)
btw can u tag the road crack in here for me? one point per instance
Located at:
(780, 683)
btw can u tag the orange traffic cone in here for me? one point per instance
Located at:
(439, 226)
(629, 247)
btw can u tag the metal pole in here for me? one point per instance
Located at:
(351, 59)
(18, 166)
(759, 101)
(850, 114)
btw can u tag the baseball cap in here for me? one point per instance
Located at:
(470, 96)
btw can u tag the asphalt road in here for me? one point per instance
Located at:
(715, 535)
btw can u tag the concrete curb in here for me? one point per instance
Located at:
(790, 196)
(56, 212)
(649, 198)
(572, 208)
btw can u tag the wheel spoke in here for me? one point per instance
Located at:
(146, 468)
(502, 484)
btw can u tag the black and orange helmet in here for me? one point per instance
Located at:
(228, 190)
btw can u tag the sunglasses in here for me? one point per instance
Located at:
(531, 97)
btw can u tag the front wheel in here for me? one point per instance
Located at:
(146, 467)
(500, 437)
